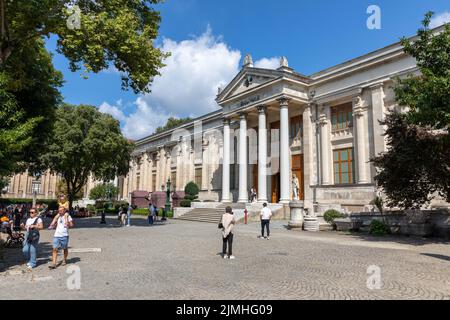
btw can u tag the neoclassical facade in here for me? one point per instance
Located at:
(273, 124)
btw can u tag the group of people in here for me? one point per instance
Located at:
(228, 222)
(124, 215)
(33, 225)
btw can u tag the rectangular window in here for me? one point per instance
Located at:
(198, 177)
(342, 116)
(138, 164)
(296, 129)
(154, 182)
(138, 182)
(343, 166)
(173, 180)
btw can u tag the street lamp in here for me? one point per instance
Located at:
(36, 186)
(167, 206)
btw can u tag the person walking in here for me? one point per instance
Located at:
(150, 214)
(123, 215)
(265, 215)
(227, 224)
(30, 245)
(129, 213)
(62, 222)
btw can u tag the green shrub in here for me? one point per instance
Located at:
(185, 203)
(378, 228)
(90, 207)
(331, 214)
(191, 189)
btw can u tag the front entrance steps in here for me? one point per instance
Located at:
(213, 213)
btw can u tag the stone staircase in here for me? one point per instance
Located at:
(209, 215)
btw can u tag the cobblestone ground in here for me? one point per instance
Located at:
(179, 260)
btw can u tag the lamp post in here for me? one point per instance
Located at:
(36, 186)
(167, 206)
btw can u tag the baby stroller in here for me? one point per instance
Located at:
(15, 237)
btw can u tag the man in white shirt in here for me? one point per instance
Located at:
(62, 221)
(265, 215)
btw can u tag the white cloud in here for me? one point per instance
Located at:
(440, 19)
(144, 120)
(268, 63)
(187, 86)
(112, 110)
(193, 73)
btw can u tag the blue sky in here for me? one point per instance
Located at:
(209, 38)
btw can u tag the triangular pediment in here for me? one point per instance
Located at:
(247, 79)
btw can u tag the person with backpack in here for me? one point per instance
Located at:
(30, 245)
(150, 214)
(227, 225)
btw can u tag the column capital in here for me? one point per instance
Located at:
(226, 121)
(358, 106)
(262, 109)
(377, 86)
(284, 101)
(242, 115)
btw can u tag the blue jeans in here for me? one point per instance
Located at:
(150, 220)
(30, 250)
(129, 218)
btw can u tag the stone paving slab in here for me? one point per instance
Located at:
(180, 260)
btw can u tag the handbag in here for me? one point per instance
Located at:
(220, 226)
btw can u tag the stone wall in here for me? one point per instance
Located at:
(427, 223)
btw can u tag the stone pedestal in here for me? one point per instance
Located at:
(297, 213)
(311, 224)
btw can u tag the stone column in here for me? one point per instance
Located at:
(308, 159)
(360, 116)
(325, 146)
(243, 192)
(378, 111)
(262, 155)
(285, 154)
(226, 161)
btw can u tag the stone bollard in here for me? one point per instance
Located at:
(297, 212)
(311, 224)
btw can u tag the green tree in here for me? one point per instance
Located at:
(86, 141)
(32, 81)
(416, 167)
(91, 34)
(172, 123)
(15, 130)
(103, 192)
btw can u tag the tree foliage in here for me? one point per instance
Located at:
(172, 123)
(416, 167)
(86, 141)
(103, 192)
(111, 32)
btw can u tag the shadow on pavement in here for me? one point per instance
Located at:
(113, 222)
(437, 256)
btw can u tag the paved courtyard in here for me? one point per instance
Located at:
(179, 260)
